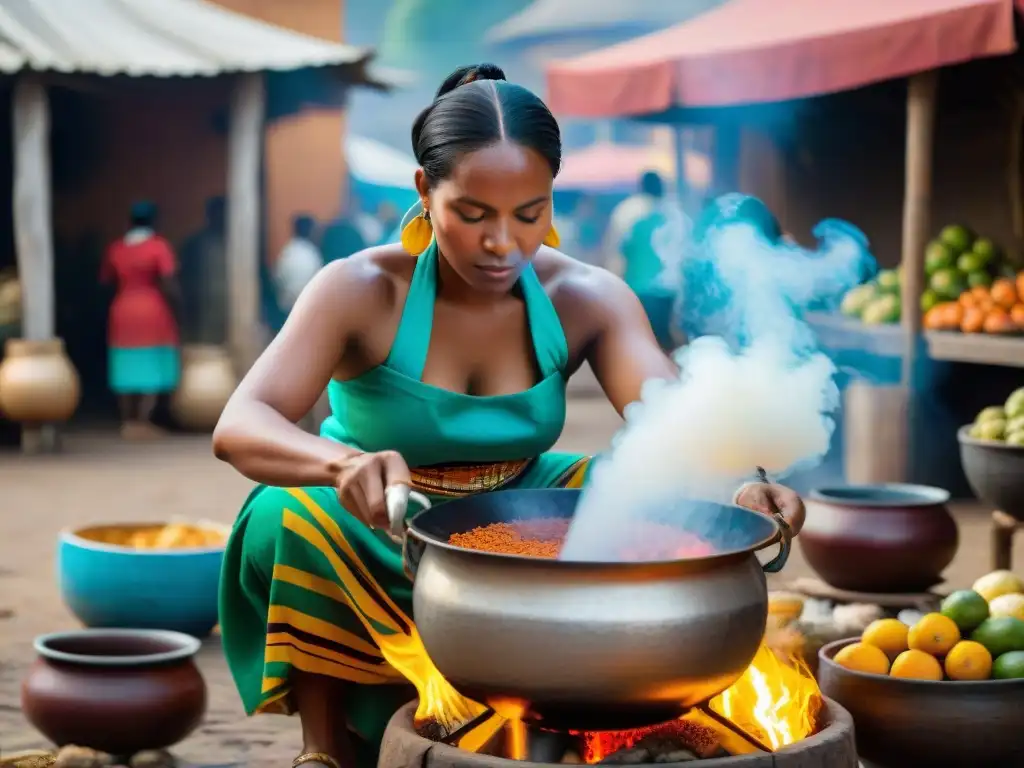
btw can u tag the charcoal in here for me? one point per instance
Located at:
(636, 755)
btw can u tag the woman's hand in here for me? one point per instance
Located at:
(760, 497)
(362, 480)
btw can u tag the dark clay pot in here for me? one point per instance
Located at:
(995, 472)
(118, 691)
(879, 538)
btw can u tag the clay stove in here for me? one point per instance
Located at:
(404, 747)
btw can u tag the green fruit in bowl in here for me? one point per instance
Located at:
(1015, 424)
(1009, 666)
(1000, 635)
(958, 238)
(994, 429)
(929, 299)
(937, 256)
(1015, 404)
(1015, 439)
(966, 608)
(992, 413)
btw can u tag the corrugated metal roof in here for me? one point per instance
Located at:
(164, 38)
(577, 17)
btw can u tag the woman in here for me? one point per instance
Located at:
(447, 372)
(142, 332)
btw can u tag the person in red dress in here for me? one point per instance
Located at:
(142, 334)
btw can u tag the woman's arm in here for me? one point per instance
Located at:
(256, 433)
(623, 351)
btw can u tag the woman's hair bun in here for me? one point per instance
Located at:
(464, 75)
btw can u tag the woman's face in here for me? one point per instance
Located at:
(491, 215)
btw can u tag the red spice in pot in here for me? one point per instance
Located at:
(543, 537)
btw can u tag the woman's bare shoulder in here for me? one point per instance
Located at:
(374, 276)
(569, 280)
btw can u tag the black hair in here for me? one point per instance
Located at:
(143, 214)
(303, 226)
(651, 184)
(474, 108)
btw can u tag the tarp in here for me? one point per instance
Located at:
(607, 167)
(755, 51)
(157, 37)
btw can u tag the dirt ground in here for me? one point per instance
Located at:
(99, 479)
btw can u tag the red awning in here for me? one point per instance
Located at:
(750, 51)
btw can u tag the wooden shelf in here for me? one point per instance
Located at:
(976, 348)
(839, 334)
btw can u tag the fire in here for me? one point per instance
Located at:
(774, 701)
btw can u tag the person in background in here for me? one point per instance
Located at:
(341, 239)
(142, 333)
(299, 261)
(650, 196)
(204, 278)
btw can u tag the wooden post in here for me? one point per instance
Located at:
(245, 155)
(33, 235)
(921, 90)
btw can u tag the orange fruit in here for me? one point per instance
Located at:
(888, 635)
(973, 320)
(934, 317)
(1004, 293)
(934, 634)
(916, 665)
(998, 321)
(953, 315)
(980, 293)
(1017, 316)
(968, 661)
(967, 299)
(861, 657)
(1020, 285)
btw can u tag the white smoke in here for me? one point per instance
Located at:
(760, 394)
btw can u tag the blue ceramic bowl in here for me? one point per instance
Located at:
(116, 586)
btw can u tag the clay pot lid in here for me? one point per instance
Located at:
(164, 646)
(882, 495)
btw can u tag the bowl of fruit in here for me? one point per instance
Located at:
(945, 689)
(992, 455)
(143, 575)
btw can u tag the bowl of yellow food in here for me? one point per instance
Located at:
(143, 575)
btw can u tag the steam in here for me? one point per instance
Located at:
(756, 393)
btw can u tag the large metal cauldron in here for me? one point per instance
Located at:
(588, 645)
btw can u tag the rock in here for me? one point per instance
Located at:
(72, 756)
(632, 756)
(679, 756)
(152, 758)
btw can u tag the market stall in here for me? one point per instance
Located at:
(100, 49)
(756, 52)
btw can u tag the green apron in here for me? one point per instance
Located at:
(305, 585)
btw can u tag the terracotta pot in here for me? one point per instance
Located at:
(889, 538)
(118, 691)
(38, 383)
(207, 381)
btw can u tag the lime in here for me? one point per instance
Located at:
(937, 256)
(966, 608)
(885, 309)
(993, 429)
(1015, 438)
(985, 249)
(948, 283)
(970, 262)
(1009, 666)
(980, 277)
(1015, 404)
(856, 299)
(1001, 635)
(929, 299)
(888, 281)
(992, 413)
(1015, 425)
(957, 237)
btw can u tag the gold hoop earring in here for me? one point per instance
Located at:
(551, 239)
(417, 234)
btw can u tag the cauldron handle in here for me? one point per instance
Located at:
(784, 538)
(396, 499)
